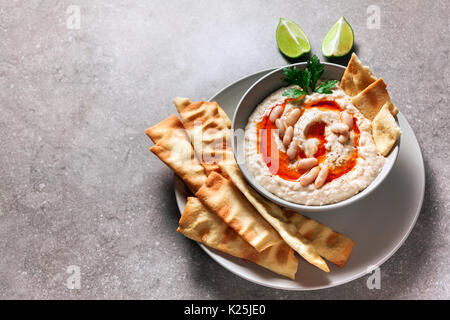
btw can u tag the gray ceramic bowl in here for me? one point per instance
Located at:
(254, 95)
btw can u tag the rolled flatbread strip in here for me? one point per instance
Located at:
(274, 215)
(333, 246)
(175, 150)
(200, 224)
(156, 132)
(209, 130)
(221, 197)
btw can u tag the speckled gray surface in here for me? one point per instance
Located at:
(79, 186)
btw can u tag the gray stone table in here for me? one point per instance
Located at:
(79, 188)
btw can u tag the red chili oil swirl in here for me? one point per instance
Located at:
(284, 169)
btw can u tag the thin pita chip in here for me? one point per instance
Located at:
(224, 116)
(274, 215)
(181, 103)
(201, 225)
(356, 77)
(175, 150)
(224, 199)
(371, 100)
(156, 132)
(385, 131)
(333, 246)
(392, 108)
(209, 130)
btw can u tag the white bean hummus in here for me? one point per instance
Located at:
(314, 151)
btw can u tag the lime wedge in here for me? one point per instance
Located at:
(339, 39)
(291, 39)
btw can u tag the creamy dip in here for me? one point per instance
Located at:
(347, 151)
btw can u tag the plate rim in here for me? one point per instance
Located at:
(212, 252)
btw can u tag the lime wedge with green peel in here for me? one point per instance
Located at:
(339, 39)
(291, 39)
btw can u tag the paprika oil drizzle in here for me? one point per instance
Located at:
(316, 130)
(264, 131)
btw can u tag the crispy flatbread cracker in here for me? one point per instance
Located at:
(221, 197)
(181, 103)
(358, 80)
(356, 77)
(175, 150)
(200, 224)
(274, 215)
(333, 246)
(209, 129)
(156, 132)
(224, 116)
(385, 131)
(371, 99)
(392, 108)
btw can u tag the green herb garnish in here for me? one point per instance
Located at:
(307, 79)
(326, 86)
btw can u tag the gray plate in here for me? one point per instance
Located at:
(379, 224)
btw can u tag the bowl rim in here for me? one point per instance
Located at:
(296, 206)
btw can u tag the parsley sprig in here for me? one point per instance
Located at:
(307, 79)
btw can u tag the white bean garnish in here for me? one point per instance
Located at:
(347, 119)
(339, 128)
(288, 136)
(292, 150)
(276, 113)
(321, 177)
(309, 177)
(343, 138)
(306, 164)
(312, 145)
(292, 117)
(280, 126)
